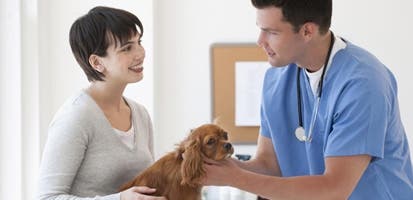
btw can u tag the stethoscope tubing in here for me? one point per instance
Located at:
(300, 131)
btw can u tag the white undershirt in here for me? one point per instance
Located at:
(314, 77)
(127, 137)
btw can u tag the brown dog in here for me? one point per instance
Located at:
(179, 179)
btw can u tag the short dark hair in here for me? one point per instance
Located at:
(93, 32)
(299, 12)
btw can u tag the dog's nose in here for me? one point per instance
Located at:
(227, 146)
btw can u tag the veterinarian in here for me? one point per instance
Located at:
(330, 121)
(99, 140)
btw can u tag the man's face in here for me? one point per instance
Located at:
(278, 38)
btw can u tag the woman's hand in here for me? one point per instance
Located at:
(139, 193)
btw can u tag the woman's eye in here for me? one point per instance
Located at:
(127, 48)
(211, 141)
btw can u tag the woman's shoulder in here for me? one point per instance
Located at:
(78, 109)
(136, 107)
(139, 114)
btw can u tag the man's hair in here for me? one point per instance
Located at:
(299, 12)
(96, 30)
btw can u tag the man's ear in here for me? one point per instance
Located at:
(96, 63)
(308, 30)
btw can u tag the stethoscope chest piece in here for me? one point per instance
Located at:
(300, 134)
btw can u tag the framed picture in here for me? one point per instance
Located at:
(228, 107)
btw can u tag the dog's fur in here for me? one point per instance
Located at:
(179, 179)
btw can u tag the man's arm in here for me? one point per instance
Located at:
(338, 181)
(265, 159)
(340, 177)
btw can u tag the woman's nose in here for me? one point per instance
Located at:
(140, 53)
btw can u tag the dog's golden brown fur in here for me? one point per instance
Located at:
(179, 179)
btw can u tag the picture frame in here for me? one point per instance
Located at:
(223, 59)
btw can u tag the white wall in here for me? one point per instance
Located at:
(184, 31)
(10, 109)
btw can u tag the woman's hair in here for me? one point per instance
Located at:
(96, 30)
(299, 12)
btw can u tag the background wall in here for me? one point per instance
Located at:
(38, 71)
(184, 31)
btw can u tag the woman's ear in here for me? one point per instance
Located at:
(96, 63)
(191, 167)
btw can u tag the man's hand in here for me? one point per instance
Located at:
(220, 172)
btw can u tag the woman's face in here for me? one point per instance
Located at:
(124, 62)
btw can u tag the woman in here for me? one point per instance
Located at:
(99, 139)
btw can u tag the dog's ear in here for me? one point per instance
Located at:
(191, 168)
(181, 146)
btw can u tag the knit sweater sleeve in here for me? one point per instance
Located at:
(62, 157)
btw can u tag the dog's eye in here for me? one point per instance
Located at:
(225, 135)
(211, 141)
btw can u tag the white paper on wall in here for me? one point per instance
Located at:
(249, 77)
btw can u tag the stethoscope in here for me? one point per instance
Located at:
(300, 132)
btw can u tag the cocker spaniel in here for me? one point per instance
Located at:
(179, 179)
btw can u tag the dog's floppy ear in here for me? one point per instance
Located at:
(181, 146)
(191, 168)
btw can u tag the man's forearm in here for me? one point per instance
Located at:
(303, 187)
(258, 167)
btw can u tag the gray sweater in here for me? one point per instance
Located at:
(84, 159)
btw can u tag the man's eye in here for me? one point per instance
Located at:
(211, 141)
(269, 32)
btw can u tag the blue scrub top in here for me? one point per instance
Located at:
(358, 114)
